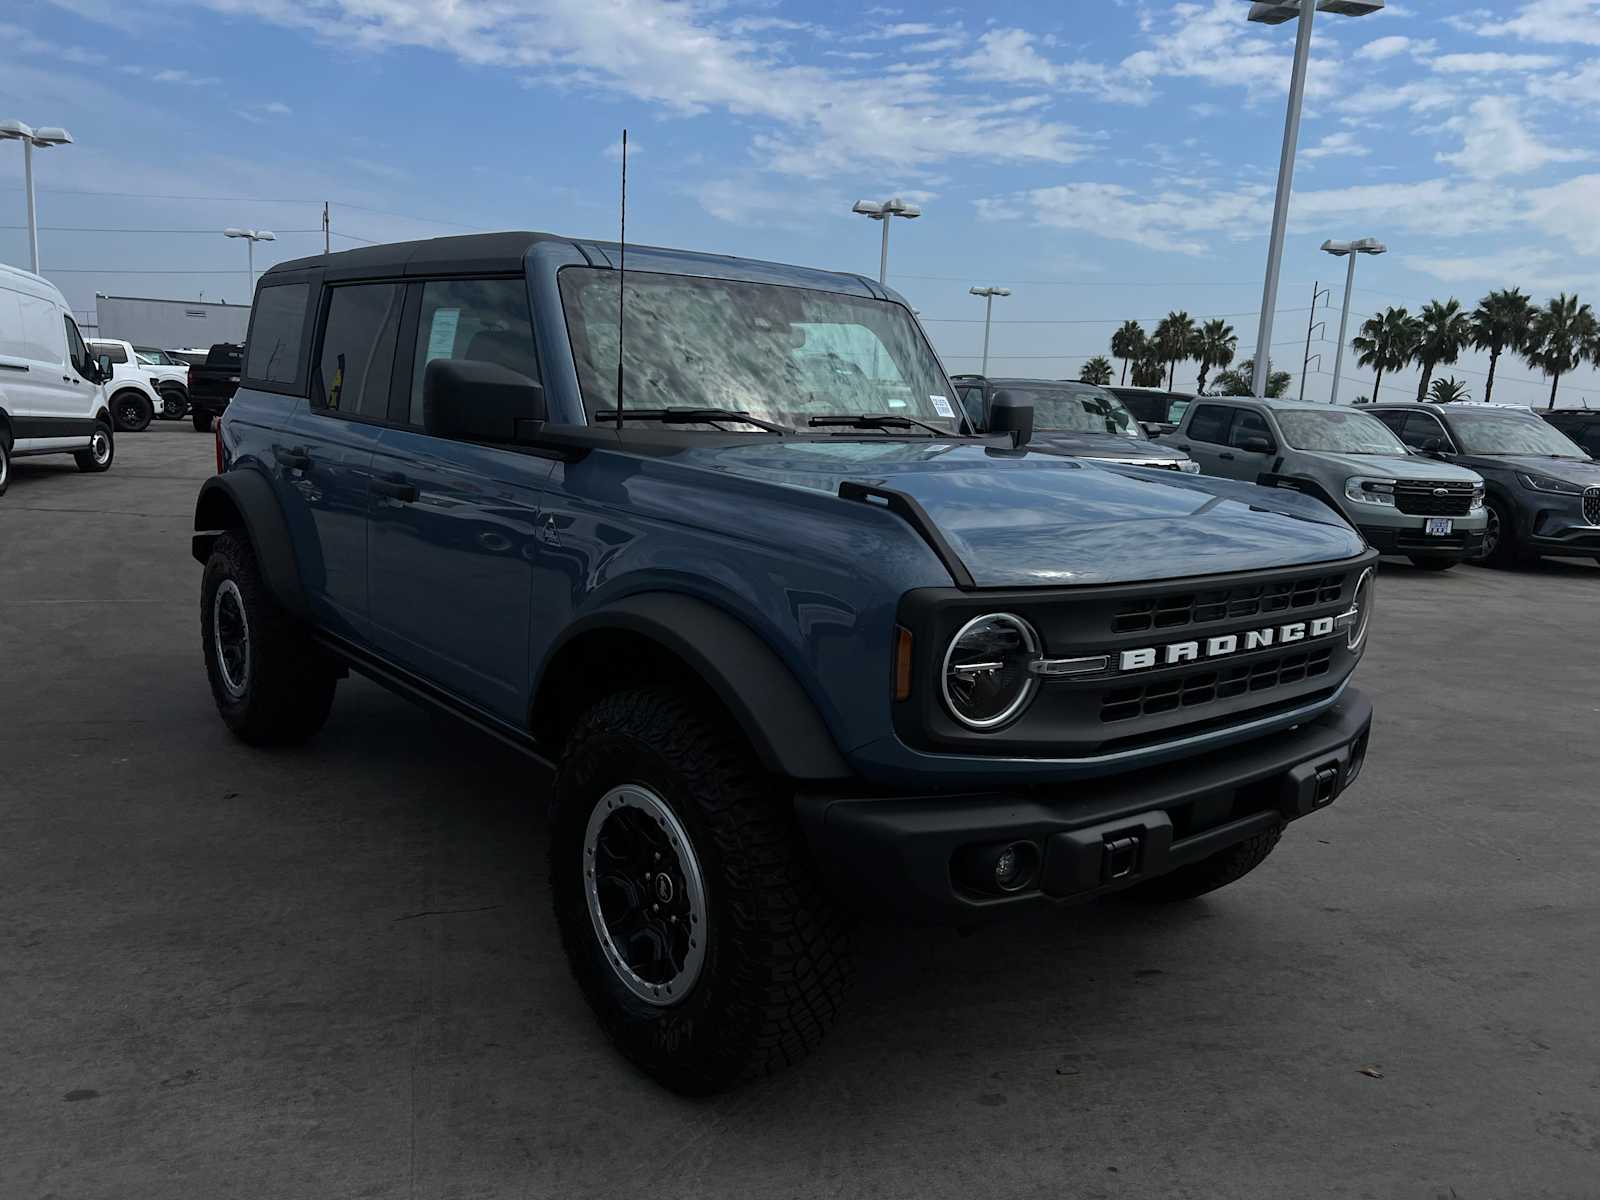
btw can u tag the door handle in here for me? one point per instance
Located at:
(395, 487)
(1225, 456)
(293, 459)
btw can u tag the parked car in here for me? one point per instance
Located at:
(213, 382)
(1581, 425)
(51, 395)
(170, 376)
(135, 398)
(1430, 512)
(786, 656)
(1158, 411)
(1544, 490)
(1075, 419)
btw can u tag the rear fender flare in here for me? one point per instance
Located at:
(244, 499)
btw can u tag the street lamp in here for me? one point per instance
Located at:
(883, 212)
(251, 237)
(988, 294)
(51, 135)
(1352, 251)
(1275, 13)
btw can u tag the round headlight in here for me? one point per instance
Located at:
(1362, 604)
(986, 676)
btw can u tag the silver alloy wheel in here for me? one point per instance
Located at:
(100, 447)
(5, 466)
(230, 637)
(646, 894)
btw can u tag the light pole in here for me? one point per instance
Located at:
(51, 135)
(885, 212)
(988, 294)
(1352, 251)
(251, 237)
(1275, 12)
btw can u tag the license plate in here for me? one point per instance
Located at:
(1439, 527)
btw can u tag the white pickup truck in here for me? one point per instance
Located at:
(132, 387)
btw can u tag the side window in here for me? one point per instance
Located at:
(485, 320)
(1394, 420)
(276, 329)
(1419, 427)
(1589, 437)
(114, 352)
(972, 405)
(77, 352)
(358, 344)
(1247, 425)
(1210, 424)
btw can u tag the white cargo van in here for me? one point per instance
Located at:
(51, 398)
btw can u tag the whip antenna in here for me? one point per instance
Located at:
(622, 273)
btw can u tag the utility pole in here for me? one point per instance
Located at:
(1311, 327)
(326, 228)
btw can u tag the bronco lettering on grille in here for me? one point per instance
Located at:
(1147, 657)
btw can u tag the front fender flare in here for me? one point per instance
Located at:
(244, 498)
(761, 693)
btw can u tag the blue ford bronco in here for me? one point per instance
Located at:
(796, 644)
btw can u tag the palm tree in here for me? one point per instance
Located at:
(1096, 370)
(1564, 333)
(1502, 321)
(1386, 342)
(1128, 343)
(1174, 342)
(1443, 332)
(1148, 369)
(1214, 346)
(1447, 391)
(1241, 381)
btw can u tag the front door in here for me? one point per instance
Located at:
(455, 525)
(1205, 439)
(1244, 459)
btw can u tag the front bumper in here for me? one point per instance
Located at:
(899, 854)
(1459, 544)
(1558, 525)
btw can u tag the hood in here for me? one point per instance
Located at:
(1397, 466)
(1568, 470)
(1024, 518)
(1101, 445)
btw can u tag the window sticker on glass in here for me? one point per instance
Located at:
(942, 406)
(442, 333)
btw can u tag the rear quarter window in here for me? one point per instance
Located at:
(277, 334)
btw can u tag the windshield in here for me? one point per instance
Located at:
(783, 354)
(1076, 408)
(1336, 432)
(1490, 432)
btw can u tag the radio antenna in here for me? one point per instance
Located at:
(622, 274)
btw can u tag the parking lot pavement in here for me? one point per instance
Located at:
(333, 972)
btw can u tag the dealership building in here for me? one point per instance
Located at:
(170, 324)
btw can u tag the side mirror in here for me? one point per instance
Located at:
(103, 365)
(1432, 445)
(1007, 414)
(1258, 445)
(481, 401)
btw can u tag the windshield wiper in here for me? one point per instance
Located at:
(689, 416)
(878, 421)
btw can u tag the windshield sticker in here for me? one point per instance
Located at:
(442, 333)
(942, 407)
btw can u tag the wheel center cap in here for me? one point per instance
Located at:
(664, 888)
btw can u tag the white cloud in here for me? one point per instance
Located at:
(1011, 56)
(1336, 145)
(1419, 96)
(1495, 142)
(1384, 48)
(1170, 222)
(277, 108)
(1559, 22)
(1534, 267)
(1492, 62)
(614, 150)
(1577, 87)
(1210, 42)
(1567, 211)
(175, 75)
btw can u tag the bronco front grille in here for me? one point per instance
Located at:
(1205, 686)
(1226, 604)
(1591, 506)
(1421, 498)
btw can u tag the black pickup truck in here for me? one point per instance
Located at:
(213, 383)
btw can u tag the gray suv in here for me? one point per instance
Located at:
(1430, 512)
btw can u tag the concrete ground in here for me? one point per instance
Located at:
(333, 972)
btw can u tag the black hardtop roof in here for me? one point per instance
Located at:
(503, 253)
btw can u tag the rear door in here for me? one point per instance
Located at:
(1205, 437)
(455, 525)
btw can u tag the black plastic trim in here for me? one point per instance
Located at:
(51, 427)
(249, 494)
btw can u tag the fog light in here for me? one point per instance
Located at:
(1008, 869)
(999, 868)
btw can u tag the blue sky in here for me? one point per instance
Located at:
(1105, 160)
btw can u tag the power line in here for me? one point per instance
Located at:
(106, 229)
(1086, 321)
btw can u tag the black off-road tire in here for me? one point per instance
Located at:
(1423, 563)
(132, 412)
(281, 688)
(102, 450)
(202, 421)
(777, 963)
(5, 462)
(1209, 874)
